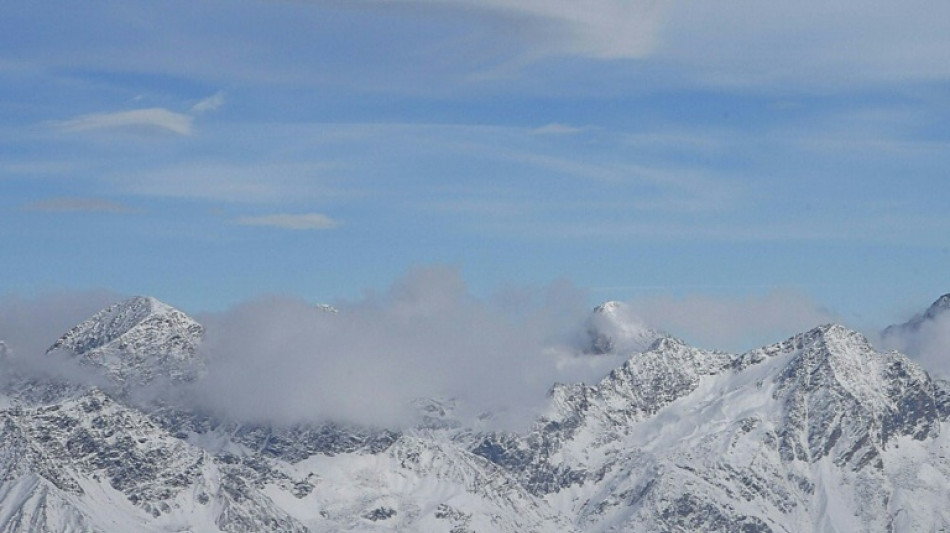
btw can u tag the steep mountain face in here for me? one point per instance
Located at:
(815, 433)
(602, 413)
(91, 464)
(136, 341)
(820, 432)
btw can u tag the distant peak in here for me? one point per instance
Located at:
(835, 332)
(831, 329)
(610, 307)
(613, 327)
(826, 339)
(938, 307)
(117, 320)
(149, 304)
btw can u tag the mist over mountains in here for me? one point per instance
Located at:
(424, 408)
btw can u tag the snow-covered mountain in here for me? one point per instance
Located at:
(136, 341)
(614, 329)
(820, 432)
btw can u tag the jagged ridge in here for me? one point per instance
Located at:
(818, 432)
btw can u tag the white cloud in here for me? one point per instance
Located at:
(928, 341)
(305, 221)
(211, 103)
(556, 128)
(427, 336)
(737, 44)
(155, 118)
(30, 325)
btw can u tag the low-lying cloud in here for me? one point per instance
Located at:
(927, 341)
(284, 360)
(30, 325)
(426, 337)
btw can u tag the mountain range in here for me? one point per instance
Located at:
(819, 432)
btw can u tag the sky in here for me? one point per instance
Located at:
(738, 155)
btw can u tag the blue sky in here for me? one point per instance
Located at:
(209, 152)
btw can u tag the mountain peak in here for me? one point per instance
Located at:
(609, 307)
(614, 328)
(824, 341)
(137, 340)
(111, 323)
(837, 333)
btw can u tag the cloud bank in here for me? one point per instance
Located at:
(426, 337)
(29, 325)
(927, 341)
(284, 360)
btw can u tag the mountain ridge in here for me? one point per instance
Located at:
(820, 431)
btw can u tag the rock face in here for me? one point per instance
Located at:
(820, 432)
(136, 341)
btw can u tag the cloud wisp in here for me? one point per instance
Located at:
(211, 103)
(602, 29)
(299, 222)
(151, 119)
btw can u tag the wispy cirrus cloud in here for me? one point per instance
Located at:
(603, 29)
(302, 221)
(556, 128)
(67, 204)
(211, 103)
(152, 119)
